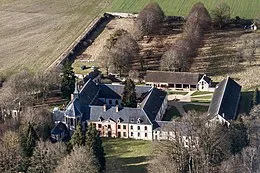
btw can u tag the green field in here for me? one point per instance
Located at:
(242, 8)
(34, 33)
(127, 155)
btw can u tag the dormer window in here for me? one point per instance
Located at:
(119, 120)
(132, 120)
(139, 120)
(101, 119)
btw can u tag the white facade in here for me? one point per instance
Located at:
(203, 85)
(141, 131)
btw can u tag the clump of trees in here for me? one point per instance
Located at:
(129, 94)
(148, 20)
(118, 53)
(207, 147)
(179, 56)
(92, 144)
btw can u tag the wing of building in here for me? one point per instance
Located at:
(100, 105)
(225, 101)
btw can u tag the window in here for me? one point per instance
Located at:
(132, 134)
(124, 126)
(131, 127)
(145, 134)
(110, 102)
(116, 102)
(145, 127)
(118, 126)
(138, 127)
(71, 122)
(119, 134)
(99, 125)
(124, 134)
(94, 125)
(109, 126)
(138, 134)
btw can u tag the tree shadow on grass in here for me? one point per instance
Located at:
(127, 165)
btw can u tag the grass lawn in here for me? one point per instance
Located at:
(198, 108)
(242, 8)
(127, 155)
(245, 103)
(34, 33)
(78, 64)
(171, 113)
(177, 92)
(201, 93)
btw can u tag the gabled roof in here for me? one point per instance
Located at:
(115, 91)
(73, 108)
(206, 78)
(153, 102)
(225, 99)
(92, 75)
(59, 129)
(173, 126)
(172, 77)
(88, 92)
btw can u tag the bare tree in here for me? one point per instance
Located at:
(148, 19)
(221, 15)
(79, 161)
(46, 157)
(247, 46)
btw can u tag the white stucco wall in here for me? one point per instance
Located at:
(142, 131)
(203, 85)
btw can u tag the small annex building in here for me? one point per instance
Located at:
(178, 80)
(225, 101)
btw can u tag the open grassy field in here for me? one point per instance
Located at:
(36, 32)
(127, 155)
(242, 8)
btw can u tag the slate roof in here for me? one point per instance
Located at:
(225, 99)
(59, 129)
(92, 75)
(88, 92)
(153, 102)
(74, 108)
(206, 78)
(172, 77)
(115, 91)
(127, 115)
(173, 126)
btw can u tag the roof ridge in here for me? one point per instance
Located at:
(173, 72)
(222, 94)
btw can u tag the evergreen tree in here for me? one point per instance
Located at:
(93, 142)
(28, 141)
(77, 137)
(256, 97)
(68, 80)
(129, 95)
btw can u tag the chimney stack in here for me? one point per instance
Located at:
(105, 107)
(117, 108)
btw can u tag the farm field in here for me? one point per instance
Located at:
(126, 155)
(242, 8)
(35, 32)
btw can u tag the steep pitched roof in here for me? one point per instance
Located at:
(153, 102)
(225, 99)
(92, 75)
(172, 77)
(115, 91)
(74, 108)
(88, 92)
